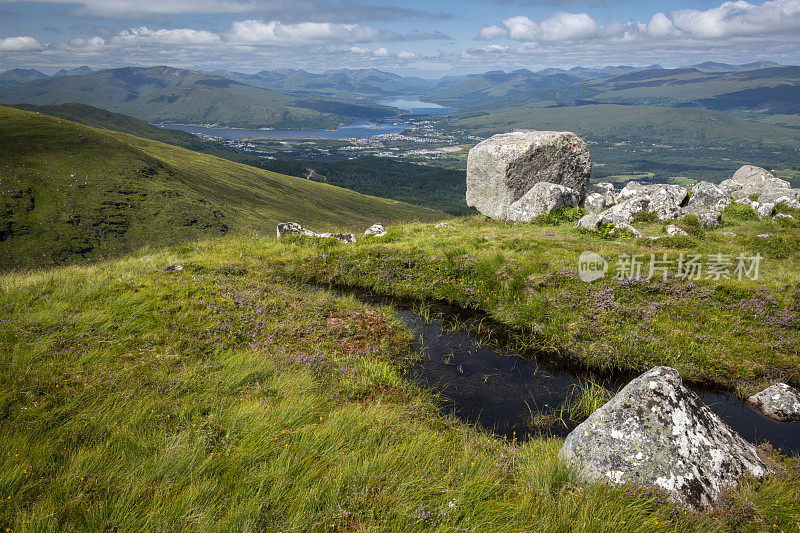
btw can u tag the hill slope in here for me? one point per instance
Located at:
(178, 96)
(72, 193)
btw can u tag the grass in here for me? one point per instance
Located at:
(226, 397)
(72, 193)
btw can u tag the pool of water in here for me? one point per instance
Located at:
(417, 107)
(356, 130)
(500, 391)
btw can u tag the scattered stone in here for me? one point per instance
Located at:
(708, 217)
(375, 230)
(615, 231)
(443, 225)
(599, 197)
(656, 432)
(503, 168)
(674, 230)
(728, 233)
(293, 228)
(173, 268)
(784, 216)
(541, 199)
(780, 402)
(706, 195)
(624, 212)
(764, 235)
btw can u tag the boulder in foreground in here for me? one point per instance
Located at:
(656, 432)
(503, 168)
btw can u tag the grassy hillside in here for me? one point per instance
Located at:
(227, 397)
(74, 193)
(177, 96)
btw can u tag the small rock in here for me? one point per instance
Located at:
(674, 230)
(443, 225)
(764, 235)
(780, 402)
(784, 216)
(173, 268)
(375, 230)
(541, 199)
(591, 221)
(728, 233)
(656, 432)
(293, 228)
(627, 227)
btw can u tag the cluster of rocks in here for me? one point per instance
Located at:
(519, 176)
(293, 228)
(657, 433)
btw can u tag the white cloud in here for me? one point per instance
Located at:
(274, 32)
(381, 52)
(123, 8)
(19, 44)
(406, 55)
(660, 26)
(559, 27)
(488, 33)
(740, 18)
(182, 36)
(91, 44)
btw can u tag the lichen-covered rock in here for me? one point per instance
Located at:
(708, 217)
(730, 186)
(599, 197)
(375, 230)
(758, 178)
(674, 230)
(663, 200)
(541, 199)
(706, 195)
(623, 229)
(789, 197)
(656, 432)
(293, 228)
(503, 168)
(780, 402)
(592, 221)
(624, 212)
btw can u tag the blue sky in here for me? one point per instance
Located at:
(425, 38)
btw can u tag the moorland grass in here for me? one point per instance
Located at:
(224, 397)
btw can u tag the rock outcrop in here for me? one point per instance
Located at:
(656, 432)
(780, 402)
(503, 168)
(542, 198)
(293, 228)
(663, 200)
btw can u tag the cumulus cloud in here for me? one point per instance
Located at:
(182, 36)
(21, 43)
(729, 20)
(259, 32)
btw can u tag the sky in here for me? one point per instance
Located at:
(426, 38)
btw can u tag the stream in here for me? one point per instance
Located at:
(500, 391)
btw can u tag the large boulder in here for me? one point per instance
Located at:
(780, 401)
(599, 197)
(543, 198)
(503, 168)
(656, 432)
(758, 178)
(706, 195)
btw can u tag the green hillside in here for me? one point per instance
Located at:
(73, 193)
(178, 96)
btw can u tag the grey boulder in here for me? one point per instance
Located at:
(592, 221)
(706, 195)
(375, 230)
(790, 197)
(624, 212)
(656, 432)
(663, 200)
(503, 168)
(780, 402)
(541, 199)
(758, 178)
(599, 197)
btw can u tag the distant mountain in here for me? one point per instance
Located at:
(711, 66)
(16, 76)
(73, 71)
(344, 83)
(178, 96)
(72, 193)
